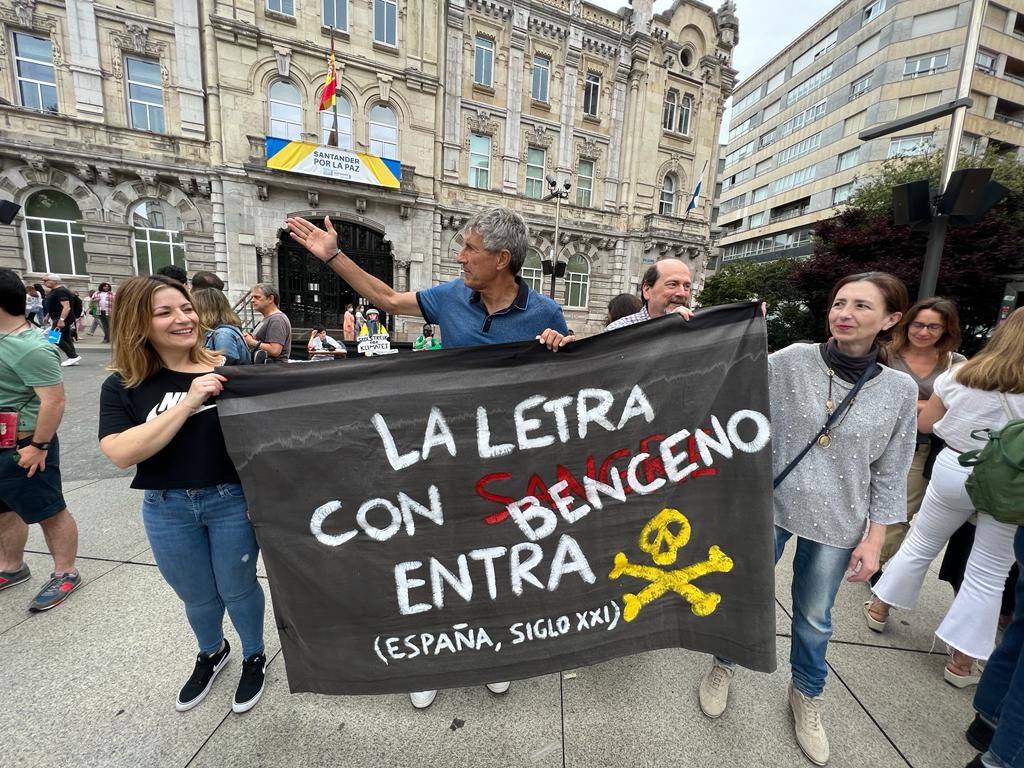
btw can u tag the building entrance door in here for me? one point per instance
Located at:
(311, 294)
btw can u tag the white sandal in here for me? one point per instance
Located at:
(873, 623)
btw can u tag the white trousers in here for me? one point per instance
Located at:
(971, 621)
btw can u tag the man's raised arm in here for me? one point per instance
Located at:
(324, 246)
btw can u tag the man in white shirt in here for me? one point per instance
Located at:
(320, 342)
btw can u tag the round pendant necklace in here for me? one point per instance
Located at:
(825, 438)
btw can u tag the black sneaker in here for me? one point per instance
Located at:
(207, 668)
(979, 734)
(250, 685)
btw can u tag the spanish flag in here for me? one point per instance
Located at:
(327, 98)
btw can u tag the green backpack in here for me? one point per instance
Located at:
(996, 486)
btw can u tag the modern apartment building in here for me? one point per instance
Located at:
(793, 156)
(137, 133)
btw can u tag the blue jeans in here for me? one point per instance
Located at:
(818, 571)
(1000, 695)
(205, 548)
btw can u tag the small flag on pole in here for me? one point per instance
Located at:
(696, 190)
(328, 98)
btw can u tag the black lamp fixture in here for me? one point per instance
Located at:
(552, 265)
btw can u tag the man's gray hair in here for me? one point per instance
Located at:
(503, 229)
(269, 291)
(51, 278)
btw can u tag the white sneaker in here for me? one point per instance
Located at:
(71, 361)
(714, 689)
(810, 731)
(422, 699)
(498, 687)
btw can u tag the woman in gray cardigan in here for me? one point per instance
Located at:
(851, 484)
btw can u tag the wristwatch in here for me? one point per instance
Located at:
(40, 446)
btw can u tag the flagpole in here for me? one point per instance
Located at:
(334, 133)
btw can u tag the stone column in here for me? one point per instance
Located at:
(612, 168)
(573, 53)
(189, 69)
(452, 153)
(517, 48)
(84, 63)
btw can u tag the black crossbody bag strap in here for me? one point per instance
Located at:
(836, 415)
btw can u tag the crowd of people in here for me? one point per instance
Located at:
(867, 429)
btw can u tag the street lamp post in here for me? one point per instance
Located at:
(553, 265)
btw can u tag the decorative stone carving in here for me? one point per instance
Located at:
(384, 86)
(481, 123)
(148, 177)
(262, 191)
(187, 184)
(25, 10)
(134, 40)
(313, 198)
(284, 60)
(36, 162)
(588, 149)
(139, 35)
(538, 136)
(85, 171)
(204, 187)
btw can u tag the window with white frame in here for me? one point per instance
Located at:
(480, 161)
(747, 101)
(285, 111)
(860, 85)
(794, 179)
(56, 242)
(820, 48)
(732, 204)
(970, 144)
(799, 149)
(286, 7)
(739, 153)
(986, 62)
(541, 78)
(668, 113)
(929, 64)
(667, 201)
(483, 61)
(385, 22)
(772, 110)
(848, 159)
(766, 139)
(759, 194)
(577, 281)
(911, 105)
(739, 130)
(776, 80)
(758, 219)
(933, 22)
(33, 68)
(908, 146)
(145, 95)
(336, 14)
(344, 128)
(532, 273)
(801, 119)
(535, 173)
(584, 183)
(592, 94)
(383, 132)
(685, 113)
(815, 81)
(156, 230)
(869, 47)
(842, 193)
(873, 10)
(738, 178)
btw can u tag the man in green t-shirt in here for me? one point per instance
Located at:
(31, 393)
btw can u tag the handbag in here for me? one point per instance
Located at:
(53, 336)
(836, 415)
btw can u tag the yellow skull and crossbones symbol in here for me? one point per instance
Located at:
(658, 540)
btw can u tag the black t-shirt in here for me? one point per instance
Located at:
(196, 457)
(53, 303)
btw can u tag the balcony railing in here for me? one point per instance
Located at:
(789, 214)
(1019, 79)
(1014, 121)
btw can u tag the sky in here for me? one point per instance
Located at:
(765, 29)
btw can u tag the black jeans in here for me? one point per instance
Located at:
(66, 345)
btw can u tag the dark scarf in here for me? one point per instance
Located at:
(849, 368)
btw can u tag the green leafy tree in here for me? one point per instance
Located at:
(789, 319)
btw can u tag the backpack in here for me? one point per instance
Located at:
(76, 306)
(996, 486)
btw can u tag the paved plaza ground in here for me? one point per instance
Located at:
(93, 682)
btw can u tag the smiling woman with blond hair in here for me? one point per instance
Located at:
(157, 414)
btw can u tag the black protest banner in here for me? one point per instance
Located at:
(432, 521)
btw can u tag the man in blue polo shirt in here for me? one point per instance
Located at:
(489, 304)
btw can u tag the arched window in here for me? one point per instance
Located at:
(531, 273)
(156, 227)
(667, 203)
(285, 111)
(668, 116)
(685, 110)
(344, 123)
(383, 132)
(577, 281)
(56, 242)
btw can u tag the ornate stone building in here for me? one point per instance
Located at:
(135, 134)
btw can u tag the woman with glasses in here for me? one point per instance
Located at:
(923, 346)
(983, 393)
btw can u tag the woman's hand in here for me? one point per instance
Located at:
(204, 387)
(864, 561)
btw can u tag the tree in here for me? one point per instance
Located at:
(772, 282)
(974, 262)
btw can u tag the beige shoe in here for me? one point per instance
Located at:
(810, 731)
(872, 609)
(714, 689)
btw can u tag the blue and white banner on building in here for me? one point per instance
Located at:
(332, 163)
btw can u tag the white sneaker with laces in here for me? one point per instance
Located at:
(422, 699)
(810, 731)
(498, 687)
(71, 361)
(714, 689)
